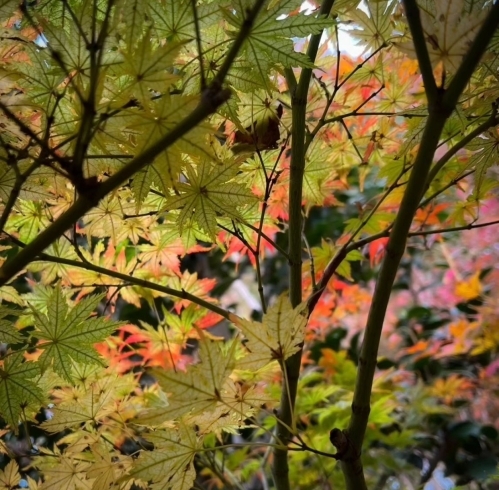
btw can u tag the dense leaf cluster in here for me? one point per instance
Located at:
(147, 147)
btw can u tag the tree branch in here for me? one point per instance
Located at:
(418, 38)
(489, 123)
(211, 99)
(129, 280)
(441, 106)
(291, 366)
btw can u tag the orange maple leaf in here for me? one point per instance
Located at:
(470, 288)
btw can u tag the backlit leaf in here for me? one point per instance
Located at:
(211, 191)
(170, 466)
(278, 337)
(18, 390)
(69, 334)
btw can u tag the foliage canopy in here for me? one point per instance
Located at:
(147, 148)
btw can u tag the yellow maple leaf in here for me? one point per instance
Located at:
(170, 465)
(10, 477)
(470, 288)
(199, 389)
(452, 388)
(277, 338)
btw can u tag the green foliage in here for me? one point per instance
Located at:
(18, 388)
(69, 335)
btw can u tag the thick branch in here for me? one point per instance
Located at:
(280, 469)
(418, 38)
(441, 108)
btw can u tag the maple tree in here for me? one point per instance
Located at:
(137, 135)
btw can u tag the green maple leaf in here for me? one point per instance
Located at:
(174, 21)
(132, 16)
(69, 334)
(17, 389)
(197, 390)
(211, 191)
(376, 223)
(10, 294)
(485, 150)
(171, 465)
(7, 178)
(270, 43)
(52, 270)
(149, 67)
(8, 332)
(276, 338)
(30, 220)
(106, 219)
(162, 116)
(163, 173)
(449, 29)
(375, 27)
(41, 84)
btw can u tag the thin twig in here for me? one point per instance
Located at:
(199, 45)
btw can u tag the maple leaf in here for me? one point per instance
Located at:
(107, 468)
(449, 28)
(52, 270)
(324, 254)
(161, 347)
(10, 477)
(109, 259)
(7, 180)
(211, 191)
(164, 250)
(10, 294)
(270, 42)
(485, 150)
(469, 289)
(158, 119)
(278, 337)
(105, 219)
(148, 67)
(8, 332)
(69, 473)
(170, 466)
(98, 401)
(175, 22)
(374, 27)
(29, 221)
(192, 284)
(69, 334)
(18, 391)
(197, 390)
(452, 388)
